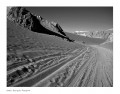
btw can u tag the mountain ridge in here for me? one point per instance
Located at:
(96, 34)
(26, 19)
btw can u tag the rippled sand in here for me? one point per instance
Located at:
(88, 67)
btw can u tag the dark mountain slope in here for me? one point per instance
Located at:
(34, 23)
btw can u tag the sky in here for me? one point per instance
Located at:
(73, 19)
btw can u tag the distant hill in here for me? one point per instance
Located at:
(108, 45)
(110, 38)
(109, 42)
(95, 34)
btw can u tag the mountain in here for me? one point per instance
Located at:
(104, 34)
(109, 42)
(26, 19)
(110, 38)
(96, 34)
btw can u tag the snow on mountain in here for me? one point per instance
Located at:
(82, 33)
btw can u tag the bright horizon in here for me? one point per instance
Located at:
(88, 31)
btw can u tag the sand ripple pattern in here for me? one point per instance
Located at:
(88, 67)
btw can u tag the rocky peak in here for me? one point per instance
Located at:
(35, 23)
